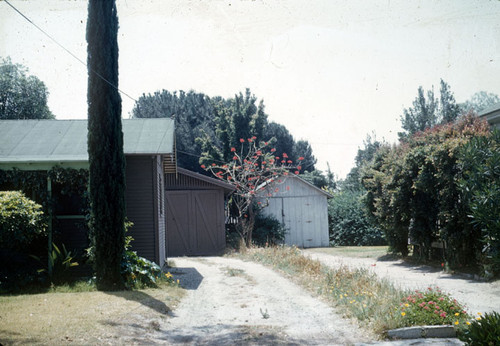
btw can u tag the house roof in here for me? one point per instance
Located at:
(492, 114)
(227, 187)
(64, 142)
(311, 187)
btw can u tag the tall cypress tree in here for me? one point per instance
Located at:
(105, 145)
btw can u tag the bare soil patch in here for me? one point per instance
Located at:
(232, 302)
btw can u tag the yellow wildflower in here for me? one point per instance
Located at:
(457, 313)
(403, 313)
(468, 323)
(456, 322)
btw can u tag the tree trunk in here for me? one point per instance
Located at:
(105, 145)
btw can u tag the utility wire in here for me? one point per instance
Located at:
(68, 51)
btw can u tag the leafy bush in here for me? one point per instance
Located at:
(480, 162)
(267, 230)
(484, 330)
(61, 260)
(349, 221)
(21, 220)
(139, 272)
(431, 307)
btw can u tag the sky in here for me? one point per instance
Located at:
(331, 71)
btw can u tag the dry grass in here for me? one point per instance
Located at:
(357, 293)
(83, 317)
(374, 252)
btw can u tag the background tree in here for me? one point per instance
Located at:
(21, 96)
(430, 111)
(449, 110)
(194, 116)
(211, 126)
(480, 101)
(421, 116)
(105, 146)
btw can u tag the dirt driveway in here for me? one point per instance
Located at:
(231, 302)
(477, 295)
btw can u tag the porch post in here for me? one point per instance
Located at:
(49, 228)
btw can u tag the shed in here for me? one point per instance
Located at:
(195, 214)
(40, 145)
(302, 208)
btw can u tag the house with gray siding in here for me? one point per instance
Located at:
(492, 115)
(40, 145)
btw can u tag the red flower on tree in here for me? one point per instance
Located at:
(255, 169)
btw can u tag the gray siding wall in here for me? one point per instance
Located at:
(303, 210)
(141, 196)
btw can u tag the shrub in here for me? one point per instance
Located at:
(431, 307)
(349, 221)
(138, 272)
(484, 330)
(268, 230)
(21, 220)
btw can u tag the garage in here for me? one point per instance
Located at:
(194, 210)
(303, 209)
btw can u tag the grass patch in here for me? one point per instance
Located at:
(374, 252)
(81, 315)
(358, 293)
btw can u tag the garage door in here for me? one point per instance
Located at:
(195, 223)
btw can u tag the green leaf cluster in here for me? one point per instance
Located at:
(480, 185)
(208, 127)
(484, 330)
(414, 191)
(431, 307)
(21, 96)
(349, 222)
(21, 220)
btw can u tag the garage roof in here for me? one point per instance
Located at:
(64, 142)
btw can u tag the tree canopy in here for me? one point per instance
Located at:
(428, 111)
(22, 96)
(209, 126)
(480, 101)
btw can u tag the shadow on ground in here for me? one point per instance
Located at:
(144, 299)
(189, 278)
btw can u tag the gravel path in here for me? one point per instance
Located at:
(231, 302)
(478, 296)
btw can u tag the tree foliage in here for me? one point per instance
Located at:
(254, 170)
(413, 191)
(480, 183)
(349, 221)
(194, 117)
(210, 126)
(429, 111)
(21, 221)
(105, 146)
(480, 101)
(21, 96)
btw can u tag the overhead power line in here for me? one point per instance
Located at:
(68, 51)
